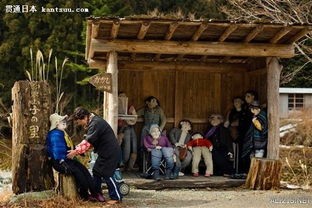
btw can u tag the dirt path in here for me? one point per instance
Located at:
(218, 199)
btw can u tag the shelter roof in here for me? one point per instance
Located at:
(113, 32)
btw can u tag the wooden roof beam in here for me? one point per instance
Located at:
(299, 35)
(199, 31)
(280, 34)
(143, 30)
(115, 29)
(194, 48)
(188, 66)
(201, 28)
(171, 29)
(227, 32)
(253, 33)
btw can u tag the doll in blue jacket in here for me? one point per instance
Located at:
(58, 143)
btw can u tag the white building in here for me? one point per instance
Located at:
(293, 100)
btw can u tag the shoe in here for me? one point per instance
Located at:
(112, 202)
(168, 175)
(195, 174)
(156, 175)
(100, 197)
(92, 198)
(207, 175)
(181, 174)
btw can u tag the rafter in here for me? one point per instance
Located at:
(227, 32)
(299, 35)
(280, 34)
(115, 29)
(253, 33)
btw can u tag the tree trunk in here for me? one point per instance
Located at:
(67, 186)
(31, 170)
(264, 174)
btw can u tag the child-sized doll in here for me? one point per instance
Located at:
(201, 147)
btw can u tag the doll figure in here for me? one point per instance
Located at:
(58, 143)
(201, 147)
(179, 137)
(255, 141)
(222, 152)
(160, 147)
(128, 137)
(152, 113)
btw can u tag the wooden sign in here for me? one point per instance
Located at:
(102, 81)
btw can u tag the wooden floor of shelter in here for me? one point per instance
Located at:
(186, 181)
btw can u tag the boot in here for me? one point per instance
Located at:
(131, 162)
(156, 175)
(168, 174)
(176, 171)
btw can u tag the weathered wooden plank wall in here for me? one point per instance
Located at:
(203, 92)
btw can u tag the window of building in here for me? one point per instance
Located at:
(295, 101)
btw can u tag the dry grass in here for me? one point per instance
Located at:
(297, 166)
(5, 154)
(303, 131)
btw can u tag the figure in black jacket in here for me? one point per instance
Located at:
(101, 136)
(222, 146)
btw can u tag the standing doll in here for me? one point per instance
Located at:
(128, 138)
(222, 152)
(255, 141)
(201, 147)
(234, 124)
(179, 137)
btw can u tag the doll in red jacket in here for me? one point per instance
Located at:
(201, 147)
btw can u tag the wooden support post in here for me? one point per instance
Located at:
(31, 170)
(264, 174)
(112, 98)
(273, 81)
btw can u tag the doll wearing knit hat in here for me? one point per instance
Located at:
(160, 147)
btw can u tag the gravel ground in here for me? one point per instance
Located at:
(218, 198)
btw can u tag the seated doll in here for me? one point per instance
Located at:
(160, 147)
(255, 141)
(179, 137)
(222, 152)
(201, 147)
(58, 143)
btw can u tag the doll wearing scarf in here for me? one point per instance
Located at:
(222, 151)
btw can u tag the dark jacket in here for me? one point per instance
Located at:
(175, 134)
(221, 139)
(105, 144)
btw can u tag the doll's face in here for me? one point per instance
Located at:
(152, 104)
(62, 125)
(249, 98)
(185, 126)
(155, 132)
(255, 111)
(197, 136)
(237, 103)
(215, 120)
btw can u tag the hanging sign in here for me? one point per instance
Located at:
(102, 81)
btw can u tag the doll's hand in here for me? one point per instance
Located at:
(254, 118)
(226, 124)
(177, 144)
(211, 148)
(190, 148)
(230, 155)
(158, 147)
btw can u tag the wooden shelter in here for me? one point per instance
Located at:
(195, 68)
